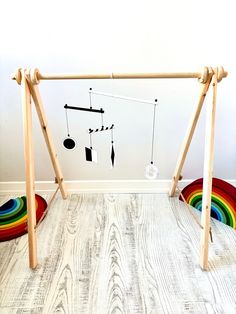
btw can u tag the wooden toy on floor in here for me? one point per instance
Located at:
(223, 199)
(13, 216)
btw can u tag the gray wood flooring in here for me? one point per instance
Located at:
(119, 253)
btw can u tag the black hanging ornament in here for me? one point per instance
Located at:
(90, 153)
(112, 150)
(68, 143)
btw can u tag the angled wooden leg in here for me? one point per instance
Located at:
(47, 135)
(207, 178)
(189, 135)
(29, 170)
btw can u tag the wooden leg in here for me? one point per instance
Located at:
(29, 170)
(47, 136)
(207, 180)
(189, 135)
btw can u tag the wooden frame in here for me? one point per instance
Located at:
(29, 79)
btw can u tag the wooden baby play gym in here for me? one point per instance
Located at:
(29, 80)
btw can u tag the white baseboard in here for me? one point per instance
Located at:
(99, 186)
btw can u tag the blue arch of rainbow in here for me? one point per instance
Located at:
(223, 199)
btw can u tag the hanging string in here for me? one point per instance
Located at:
(90, 98)
(112, 141)
(153, 130)
(90, 139)
(102, 121)
(67, 123)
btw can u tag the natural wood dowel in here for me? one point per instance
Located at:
(47, 136)
(119, 76)
(189, 135)
(29, 170)
(36, 76)
(207, 177)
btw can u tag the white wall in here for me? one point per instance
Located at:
(117, 36)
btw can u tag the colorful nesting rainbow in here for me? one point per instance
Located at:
(223, 199)
(13, 216)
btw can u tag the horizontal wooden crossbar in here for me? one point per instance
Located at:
(203, 75)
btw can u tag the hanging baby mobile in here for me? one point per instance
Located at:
(151, 170)
(90, 153)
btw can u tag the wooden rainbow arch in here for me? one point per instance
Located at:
(223, 199)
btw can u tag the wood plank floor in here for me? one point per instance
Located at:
(119, 253)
